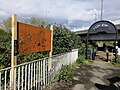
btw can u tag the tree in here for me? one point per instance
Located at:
(37, 22)
(6, 25)
(63, 41)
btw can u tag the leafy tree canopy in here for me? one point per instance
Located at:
(6, 25)
(37, 22)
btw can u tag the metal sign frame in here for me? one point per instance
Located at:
(105, 27)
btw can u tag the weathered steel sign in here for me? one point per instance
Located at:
(33, 39)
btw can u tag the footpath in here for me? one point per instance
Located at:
(99, 75)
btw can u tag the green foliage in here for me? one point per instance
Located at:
(37, 22)
(66, 74)
(31, 57)
(117, 60)
(81, 60)
(6, 25)
(81, 50)
(107, 43)
(64, 40)
(5, 49)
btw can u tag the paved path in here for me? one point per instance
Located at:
(99, 75)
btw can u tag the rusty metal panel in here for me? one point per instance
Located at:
(33, 39)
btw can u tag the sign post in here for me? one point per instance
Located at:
(50, 54)
(13, 57)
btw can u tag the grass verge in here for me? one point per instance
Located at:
(66, 73)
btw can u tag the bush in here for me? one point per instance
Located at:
(63, 41)
(66, 74)
(81, 60)
(81, 51)
(117, 60)
(5, 49)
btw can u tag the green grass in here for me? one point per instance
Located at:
(81, 60)
(118, 65)
(66, 73)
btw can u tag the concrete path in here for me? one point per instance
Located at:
(99, 75)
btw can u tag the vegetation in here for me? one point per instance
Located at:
(117, 63)
(81, 60)
(37, 22)
(66, 73)
(6, 25)
(107, 43)
(64, 41)
(5, 49)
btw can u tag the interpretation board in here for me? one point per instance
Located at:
(32, 38)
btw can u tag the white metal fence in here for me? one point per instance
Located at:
(35, 75)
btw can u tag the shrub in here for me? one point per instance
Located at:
(63, 41)
(117, 60)
(66, 74)
(81, 51)
(81, 60)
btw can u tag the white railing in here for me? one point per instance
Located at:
(116, 21)
(35, 75)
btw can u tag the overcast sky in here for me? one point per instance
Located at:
(71, 13)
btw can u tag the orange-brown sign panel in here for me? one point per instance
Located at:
(33, 39)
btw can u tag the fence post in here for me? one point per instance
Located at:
(13, 57)
(50, 54)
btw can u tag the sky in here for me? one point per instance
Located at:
(70, 13)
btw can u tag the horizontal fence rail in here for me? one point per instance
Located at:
(35, 75)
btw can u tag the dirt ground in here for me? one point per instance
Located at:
(99, 75)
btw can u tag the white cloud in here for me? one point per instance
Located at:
(3, 13)
(85, 15)
(68, 12)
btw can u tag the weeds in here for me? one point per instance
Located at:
(66, 73)
(81, 60)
